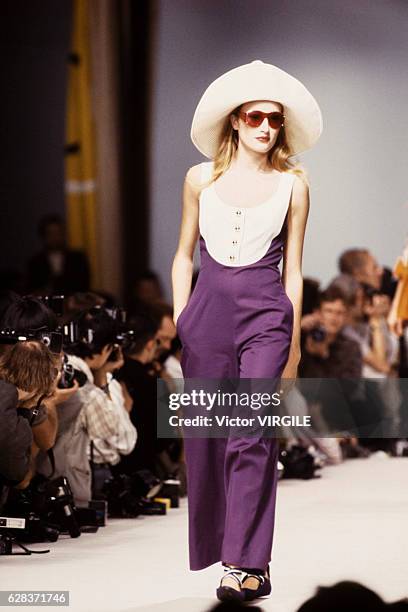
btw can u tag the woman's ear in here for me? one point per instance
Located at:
(234, 121)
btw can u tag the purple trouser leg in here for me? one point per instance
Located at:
(232, 487)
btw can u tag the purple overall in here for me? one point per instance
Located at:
(237, 324)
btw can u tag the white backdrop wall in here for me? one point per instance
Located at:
(352, 55)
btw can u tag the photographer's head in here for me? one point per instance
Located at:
(28, 313)
(32, 368)
(354, 294)
(99, 332)
(362, 266)
(163, 315)
(144, 342)
(333, 308)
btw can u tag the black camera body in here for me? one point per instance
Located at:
(69, 374)
(131, 495)
(318, 333)
(52, 339)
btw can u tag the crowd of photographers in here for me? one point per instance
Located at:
(78, 397)
(78, 410)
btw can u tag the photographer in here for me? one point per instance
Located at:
(379, 348)
(362, 266)
(140, 373)
(93, 412)
(328, 354)
(28, 373)
(326, 351)
(141, 383)
(106, 453)
(27, 315)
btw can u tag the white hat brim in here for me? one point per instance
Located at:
(256, 81)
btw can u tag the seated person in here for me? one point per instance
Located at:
(328, 353)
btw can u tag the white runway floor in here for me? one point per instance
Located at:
(350, 524)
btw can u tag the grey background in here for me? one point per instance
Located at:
(353, 56)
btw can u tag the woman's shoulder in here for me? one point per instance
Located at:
(300, 190)
(196, 176)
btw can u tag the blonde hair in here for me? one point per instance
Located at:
(278, 156)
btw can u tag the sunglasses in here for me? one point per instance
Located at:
(255, 118)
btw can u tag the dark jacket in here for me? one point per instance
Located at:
(143, 389)
(74, 277)
(344, 361)
(15, 437)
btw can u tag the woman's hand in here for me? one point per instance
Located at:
(289, 373)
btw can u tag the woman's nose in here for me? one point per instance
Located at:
(265, 125)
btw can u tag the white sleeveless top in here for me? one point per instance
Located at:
(241, 235)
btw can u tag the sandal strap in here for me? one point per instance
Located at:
(235, 573)
(259, 577)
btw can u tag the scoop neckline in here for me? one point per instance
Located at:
(272, 197)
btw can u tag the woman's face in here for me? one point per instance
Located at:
(248, 136)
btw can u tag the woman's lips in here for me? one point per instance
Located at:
(263, 139)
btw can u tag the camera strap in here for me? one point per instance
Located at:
(50, 453)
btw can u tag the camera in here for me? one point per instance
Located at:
(369, 292)
(48, 508)
(318, 333)
(54, 303)
(7, 533)
(69, 374)
(131, 495)
(52, 339)
(114, 356)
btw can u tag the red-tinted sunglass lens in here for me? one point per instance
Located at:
(275, 120)
(255, 119)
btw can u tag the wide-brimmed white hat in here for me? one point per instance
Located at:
(256, 81)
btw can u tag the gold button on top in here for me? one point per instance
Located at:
(238, 212)
(234, 241)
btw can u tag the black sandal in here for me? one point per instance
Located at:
(264, 587)
(227, 593)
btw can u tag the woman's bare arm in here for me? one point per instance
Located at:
(292, 263)
(182, 268)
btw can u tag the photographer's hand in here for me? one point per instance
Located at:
(111, 366)
(310, 321)
(100, 375)
(378, 308)
(62, 395)
(319, 349)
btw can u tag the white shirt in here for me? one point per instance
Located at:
(109, 450)
(241, 235)
(106, 419)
